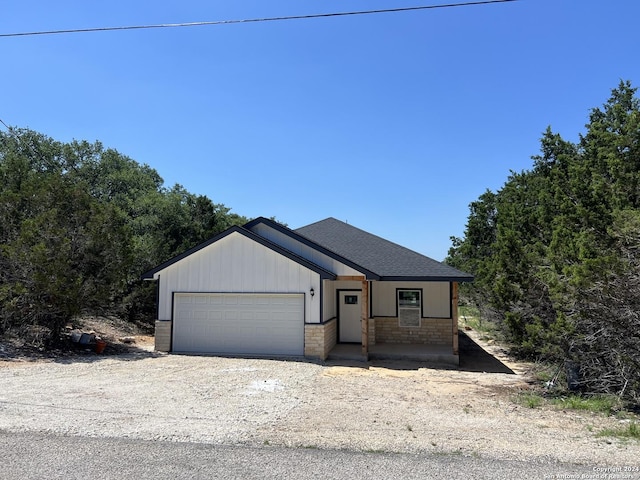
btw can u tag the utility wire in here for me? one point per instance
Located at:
(251, 20)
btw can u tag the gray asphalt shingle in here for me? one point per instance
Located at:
(387, 259)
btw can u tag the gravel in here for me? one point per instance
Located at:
(389, 407)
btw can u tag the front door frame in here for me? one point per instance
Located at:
(338, 292)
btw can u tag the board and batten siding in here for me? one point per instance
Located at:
(304, 251)
(436, 298)
(237, 264)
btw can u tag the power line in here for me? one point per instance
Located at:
(251, 20)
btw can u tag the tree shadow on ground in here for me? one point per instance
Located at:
(474, 358)
(68, 352)
(120, 352)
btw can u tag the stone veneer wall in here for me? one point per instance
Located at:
(320, 338)
(163, 336)
(372, 331)
(432, 331)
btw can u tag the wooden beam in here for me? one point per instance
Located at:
(356, 278)
(454, 315)
(364, 318)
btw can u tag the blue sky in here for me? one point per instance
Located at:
(393, 122)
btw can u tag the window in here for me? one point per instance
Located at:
(409, 298)
(409, 308)
(350, 299)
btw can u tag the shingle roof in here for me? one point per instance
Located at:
(387, 259)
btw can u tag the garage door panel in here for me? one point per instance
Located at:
(200, 315)
(215, 300)
(247, 300)
(231, 300)
(230, 315)
(254, 324)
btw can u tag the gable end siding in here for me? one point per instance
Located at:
(303, 250)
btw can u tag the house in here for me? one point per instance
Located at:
(264, 289)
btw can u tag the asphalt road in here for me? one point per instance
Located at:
(39, 456)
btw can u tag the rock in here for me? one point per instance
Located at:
(87, 338)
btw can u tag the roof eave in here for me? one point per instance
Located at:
(440, 278)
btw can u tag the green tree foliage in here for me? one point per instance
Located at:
(555, 251)
(79, 225)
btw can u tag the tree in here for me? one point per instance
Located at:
(554, 250)
(67, 254)
(80, 223)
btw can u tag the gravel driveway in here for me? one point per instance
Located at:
(391, 407)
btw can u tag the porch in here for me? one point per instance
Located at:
(434, 354)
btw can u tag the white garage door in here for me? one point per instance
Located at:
(253, 324)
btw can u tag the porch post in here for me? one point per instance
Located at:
(454, 315)
(364, 318)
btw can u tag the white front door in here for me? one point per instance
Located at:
(349, 311)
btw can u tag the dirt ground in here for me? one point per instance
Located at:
(122, 337)
(131, 391)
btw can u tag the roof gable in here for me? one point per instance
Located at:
(310, 243)
(252, 236)
(388, 260)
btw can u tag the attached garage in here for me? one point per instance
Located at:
(239, 323)
(237, 294)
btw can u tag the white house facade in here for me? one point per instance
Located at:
(265, 290)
